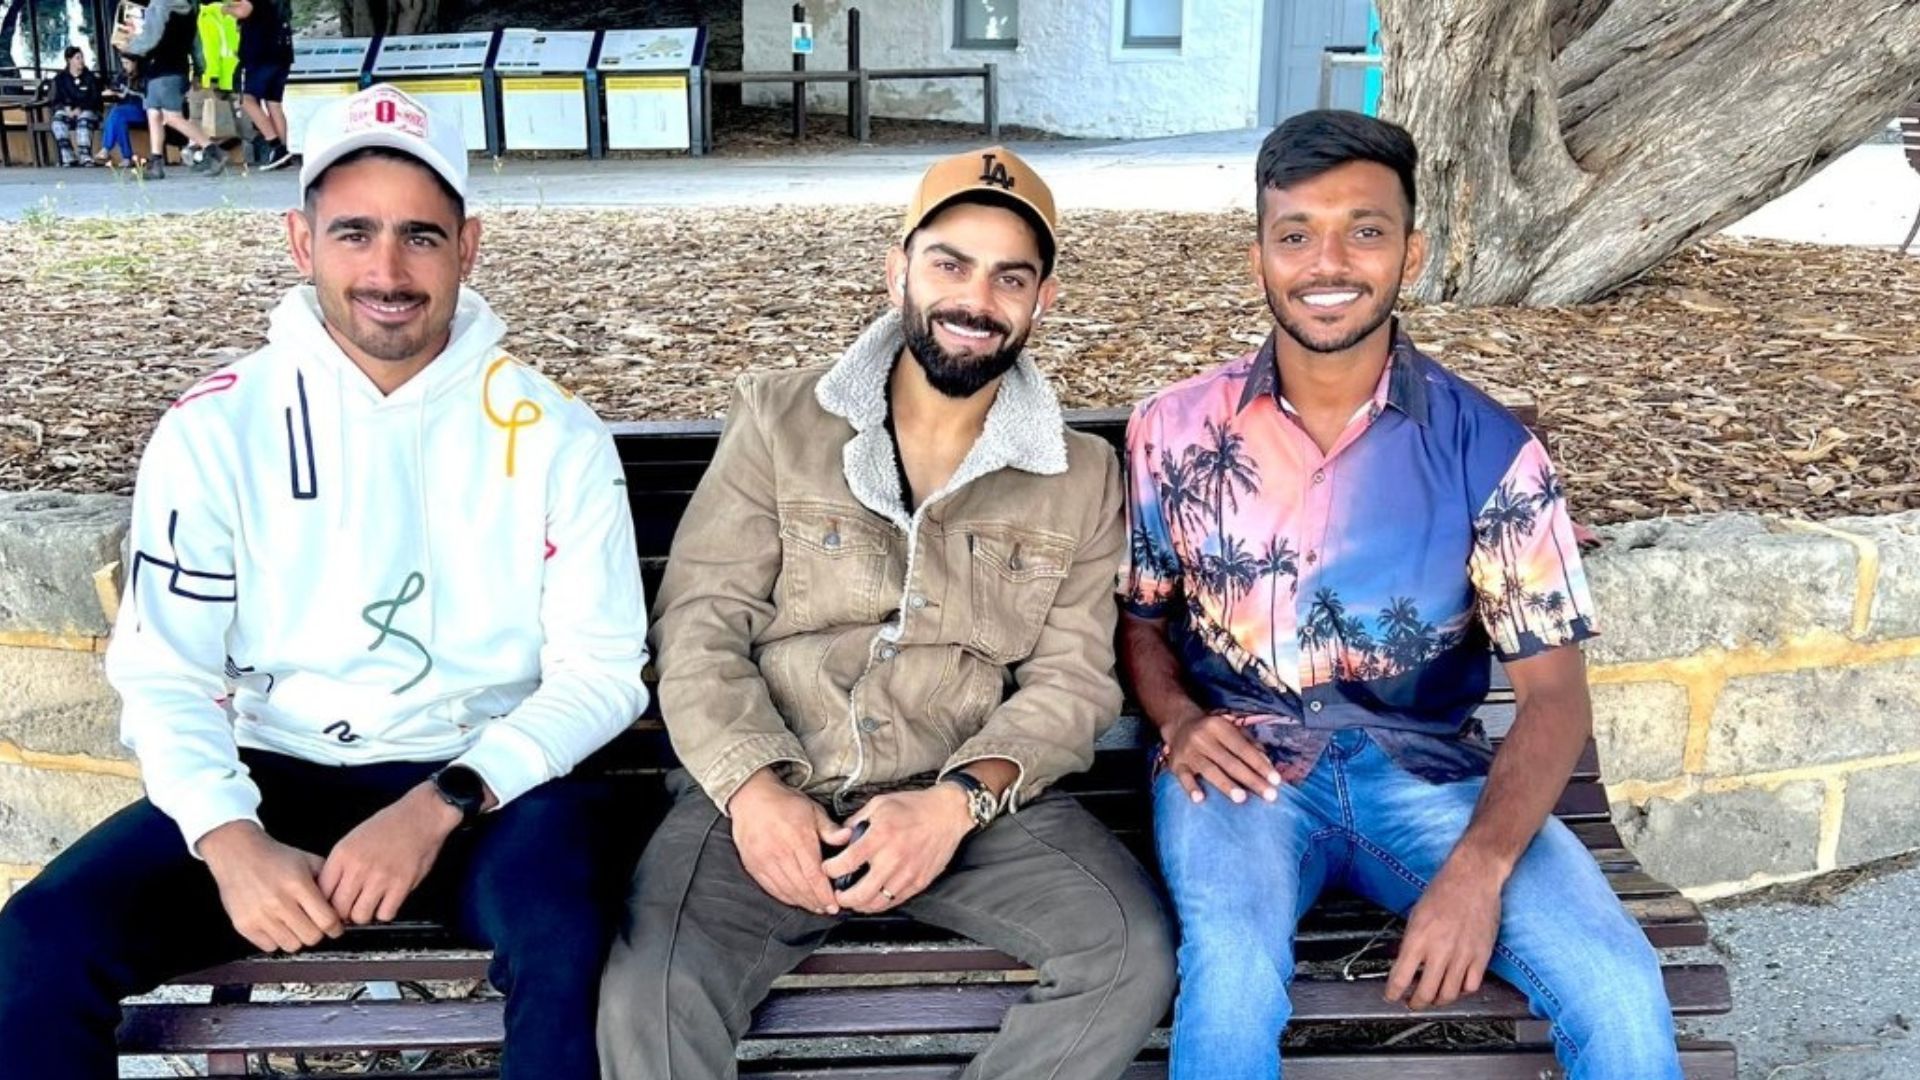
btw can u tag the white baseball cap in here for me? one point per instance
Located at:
(384, 116)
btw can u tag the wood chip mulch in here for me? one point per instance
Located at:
(1739, 376)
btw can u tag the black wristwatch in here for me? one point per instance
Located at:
(982, 804)
(462, 789)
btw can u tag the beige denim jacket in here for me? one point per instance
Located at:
(808, 620)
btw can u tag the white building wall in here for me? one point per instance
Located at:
(1068, 75)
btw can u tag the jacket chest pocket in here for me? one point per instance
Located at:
(1016, 575)
(835, 567)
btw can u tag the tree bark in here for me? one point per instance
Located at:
(7, 25)
(365, 18)
(414, 16)
(1568, 146)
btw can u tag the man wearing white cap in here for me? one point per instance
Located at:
(382, 597)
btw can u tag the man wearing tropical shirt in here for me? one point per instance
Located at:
(1328, 534)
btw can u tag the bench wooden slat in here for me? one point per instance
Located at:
(1698, 1061)
(1695, 990)
(1338, 927)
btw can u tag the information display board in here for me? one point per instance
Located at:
(324, 69)
(651, 83)
(544, 103)
(651, 50)
(443, 71)
(647, 112)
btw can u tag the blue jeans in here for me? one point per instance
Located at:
(124, 117)
(1241, 877)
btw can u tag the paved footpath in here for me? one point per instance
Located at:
(1867, 197)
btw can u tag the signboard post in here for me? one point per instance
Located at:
(802, 36)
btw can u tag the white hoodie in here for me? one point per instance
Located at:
(443, 573)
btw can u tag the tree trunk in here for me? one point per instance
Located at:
(1568, 146)
(414, 17)
(7, 27)
(363, 18)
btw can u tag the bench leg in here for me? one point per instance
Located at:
(1908, 242)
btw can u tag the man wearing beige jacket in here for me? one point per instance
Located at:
(886, 630)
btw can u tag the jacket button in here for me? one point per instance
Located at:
(1314, 706)
(1320, 476)
(917, 600)
(889, 653)
(832, 540)
(869, 725)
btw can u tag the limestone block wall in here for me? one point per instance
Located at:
(62, 768)
(1756, 689)
(1757, 694)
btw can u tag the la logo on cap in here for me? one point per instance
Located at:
(386, 109)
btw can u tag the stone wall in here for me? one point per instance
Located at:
(1756, 689)
(61, 764)
(1069, 74)
(1757, 694)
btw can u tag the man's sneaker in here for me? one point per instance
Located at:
(153, 170)
(209, 161)
(278, 156)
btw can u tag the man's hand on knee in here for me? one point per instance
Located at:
(268, 888)
(374, 868)
(1449, 939)
(778, 832)
(1213, 748)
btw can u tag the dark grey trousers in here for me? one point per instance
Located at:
(702, 944)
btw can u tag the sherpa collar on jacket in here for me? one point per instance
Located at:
(1024, 428)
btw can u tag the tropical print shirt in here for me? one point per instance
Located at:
(1363, 587)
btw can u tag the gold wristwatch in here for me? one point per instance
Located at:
(982, 804)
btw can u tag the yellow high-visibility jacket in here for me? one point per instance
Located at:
(219, 47)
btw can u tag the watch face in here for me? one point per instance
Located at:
(461, 784)
(982, 803)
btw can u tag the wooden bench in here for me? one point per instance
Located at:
(26, 109)
(887, 976)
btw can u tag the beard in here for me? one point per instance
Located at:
(959, 375)
(393, 344)
(1334, 340)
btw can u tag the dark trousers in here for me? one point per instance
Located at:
(128, 907)
(702, 943)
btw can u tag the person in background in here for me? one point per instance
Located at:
(76, 109)
(129, 109)
(165, 42)
(266, 58)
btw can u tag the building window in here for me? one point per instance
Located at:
(986, 24)
(1150, 24)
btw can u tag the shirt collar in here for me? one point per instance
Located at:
(1403, 384)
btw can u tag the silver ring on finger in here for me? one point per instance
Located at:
(890, 897)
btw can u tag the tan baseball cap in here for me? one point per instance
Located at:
(995, 173)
